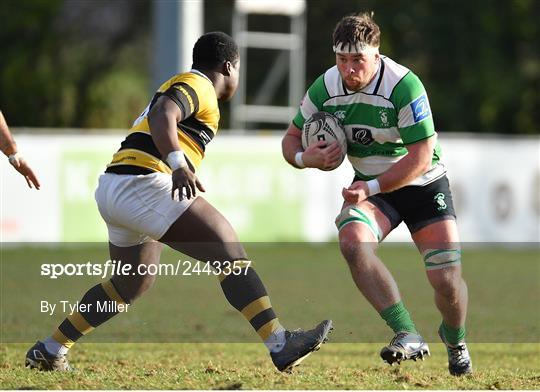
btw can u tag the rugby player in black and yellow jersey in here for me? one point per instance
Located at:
(148, 197)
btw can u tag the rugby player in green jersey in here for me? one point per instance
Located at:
(392, 146)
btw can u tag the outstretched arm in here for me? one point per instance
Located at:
(9, 148)
(7, 144)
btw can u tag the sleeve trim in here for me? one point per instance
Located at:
(185, 97)
(419, 140)
(295, 124)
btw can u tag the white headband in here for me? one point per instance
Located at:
(357, 48)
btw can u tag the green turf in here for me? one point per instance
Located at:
(247, 366)
(307, 283)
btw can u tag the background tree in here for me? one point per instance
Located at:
(78, 63)
(74, 63)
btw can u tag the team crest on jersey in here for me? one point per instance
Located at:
(384, 117)
(340, 114)
(362, 136)
(420, 108)
(439, 200)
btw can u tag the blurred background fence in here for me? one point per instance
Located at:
(496, 189)
(69, 67)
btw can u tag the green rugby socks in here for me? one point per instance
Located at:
(398, 318)
(453, 336)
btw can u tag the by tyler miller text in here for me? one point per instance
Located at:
(72, 307)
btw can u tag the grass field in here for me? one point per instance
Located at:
(247, 366)
(183, 334)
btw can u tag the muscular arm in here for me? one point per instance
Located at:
(415, 163)
(163, 119)
(7, 144)
(9, 147)
(291, 144)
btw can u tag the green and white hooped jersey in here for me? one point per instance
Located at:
(380, 120)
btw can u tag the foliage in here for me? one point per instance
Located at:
(73, 63)
(87, 64)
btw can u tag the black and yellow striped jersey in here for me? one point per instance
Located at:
(194, 93)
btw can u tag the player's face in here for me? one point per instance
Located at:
(232, 81)
(357, 70)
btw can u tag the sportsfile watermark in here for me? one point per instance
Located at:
(305, 283)
(117, 267)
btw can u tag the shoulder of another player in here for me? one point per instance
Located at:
(409, 82)
(407, 90)
(195, 83)
(325, 80)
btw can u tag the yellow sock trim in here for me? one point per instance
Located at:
(266, 330)
(62, 339)
(256, 307)
(80, 323)
(111, 292)
(222, 277)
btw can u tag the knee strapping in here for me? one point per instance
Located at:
(441, 258)
(352, 214)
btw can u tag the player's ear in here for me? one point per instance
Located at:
(227, 68)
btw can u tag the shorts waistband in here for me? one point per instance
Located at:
(128, 169)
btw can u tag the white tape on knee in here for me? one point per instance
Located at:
(441, 258)
(352, 214)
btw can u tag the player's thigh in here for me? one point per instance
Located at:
(429, 214)
(203, 233)
(362, 224)
(440, 234)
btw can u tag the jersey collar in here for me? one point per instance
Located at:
(196, 71)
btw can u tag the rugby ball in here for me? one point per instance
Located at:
(323, 126)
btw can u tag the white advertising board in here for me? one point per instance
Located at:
(495, 183)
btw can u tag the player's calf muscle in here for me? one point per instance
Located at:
(132, 287)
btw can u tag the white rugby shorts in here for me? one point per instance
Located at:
(137, 208)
